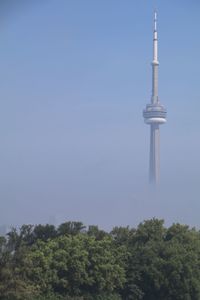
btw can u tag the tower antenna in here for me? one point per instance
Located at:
(155, 20)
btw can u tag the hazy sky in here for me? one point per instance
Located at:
(74, 78)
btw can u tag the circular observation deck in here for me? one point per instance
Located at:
(154, 114)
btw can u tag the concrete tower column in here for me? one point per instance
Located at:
(154, 157)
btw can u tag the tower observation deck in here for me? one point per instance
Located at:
(154, 114)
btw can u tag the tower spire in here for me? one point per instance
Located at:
(155, 20)
(155, 63)
(155, 39)
(154, 114)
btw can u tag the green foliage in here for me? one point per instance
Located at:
(96, 232)
(44, 232)
(75, 265)
(151, 262)
(71, 228)
(164, 264)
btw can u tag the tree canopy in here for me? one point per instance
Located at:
(73, 262)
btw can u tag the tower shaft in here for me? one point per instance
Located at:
(154, 158)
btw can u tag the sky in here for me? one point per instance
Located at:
(74, 78)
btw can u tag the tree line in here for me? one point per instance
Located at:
(72, 262)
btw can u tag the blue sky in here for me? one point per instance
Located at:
(75, 76)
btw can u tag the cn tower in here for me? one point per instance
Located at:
(154, 114)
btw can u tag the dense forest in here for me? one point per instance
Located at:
(72, 262)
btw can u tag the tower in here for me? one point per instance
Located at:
(154, 114)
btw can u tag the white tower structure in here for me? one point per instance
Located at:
(154, 114)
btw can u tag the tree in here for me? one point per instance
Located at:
(150, 262)
(44, 232)
(76, 266)
(164, 263)
(71, 228)
(96, 232)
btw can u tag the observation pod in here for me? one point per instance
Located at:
(155, 114)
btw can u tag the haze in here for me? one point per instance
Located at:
(74, 78)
